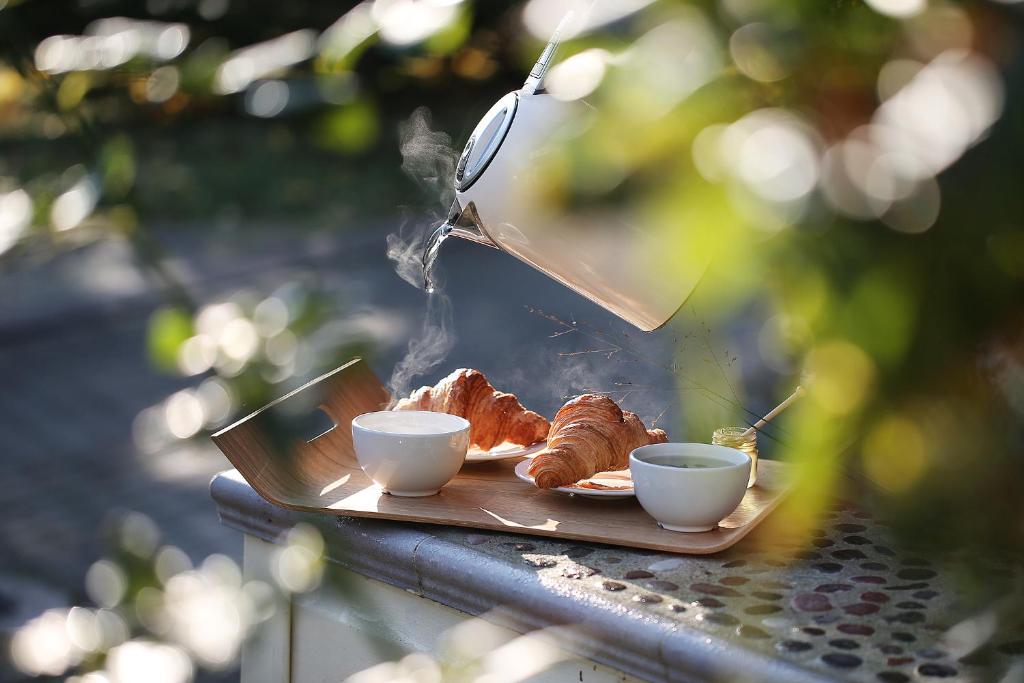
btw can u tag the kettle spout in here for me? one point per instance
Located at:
(468, 225)
(464, 223)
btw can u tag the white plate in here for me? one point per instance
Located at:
(503, 451)
(619, 478)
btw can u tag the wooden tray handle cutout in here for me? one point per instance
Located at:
(279, 463)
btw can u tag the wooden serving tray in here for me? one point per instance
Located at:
(322, 475)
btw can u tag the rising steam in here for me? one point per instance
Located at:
(405, 251)
(428, 156)
(429, 159)
(428, 348)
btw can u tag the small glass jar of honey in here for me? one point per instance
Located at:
(736, 437)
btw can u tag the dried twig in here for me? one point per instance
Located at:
(610, 352)
(559, 334)
(654, 422)
(706, 338)
(613, 347)
(618, 349)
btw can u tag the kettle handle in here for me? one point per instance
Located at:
(540, 69)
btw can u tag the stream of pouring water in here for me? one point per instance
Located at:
(430, 253)
(414, 256)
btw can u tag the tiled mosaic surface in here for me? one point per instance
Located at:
(849, 605)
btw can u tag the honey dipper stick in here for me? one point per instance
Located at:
(797, 393)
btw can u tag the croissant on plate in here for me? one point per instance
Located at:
(590, 434)
(494, 416)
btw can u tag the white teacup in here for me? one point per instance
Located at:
(410, 452)
(689, 486)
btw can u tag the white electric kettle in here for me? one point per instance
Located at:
(500, 202)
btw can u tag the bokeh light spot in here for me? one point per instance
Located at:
(169, 562)
(217, 399)
(298, 565)
(42, 646)
(270, 316)
(162, 84)
(15, 216)
(184, 414)
(239, 339)
(899, 9)
(74, 206)
(267, 99)
(197, 354)
(404, 22)
(894, 453)
(577, 76)
(142, 660)
(106, 583)
(840, 376)
(752, 48)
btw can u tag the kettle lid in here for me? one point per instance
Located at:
(485, 140)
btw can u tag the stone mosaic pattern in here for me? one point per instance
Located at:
(849, 605)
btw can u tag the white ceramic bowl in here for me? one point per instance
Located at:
(410, 452)
(689, 499)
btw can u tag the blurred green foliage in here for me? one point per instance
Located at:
(852, 169)
(164, 135)
(848, 171)
(169, 328)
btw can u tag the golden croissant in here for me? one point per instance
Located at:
(494, 416)
(590, 434)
